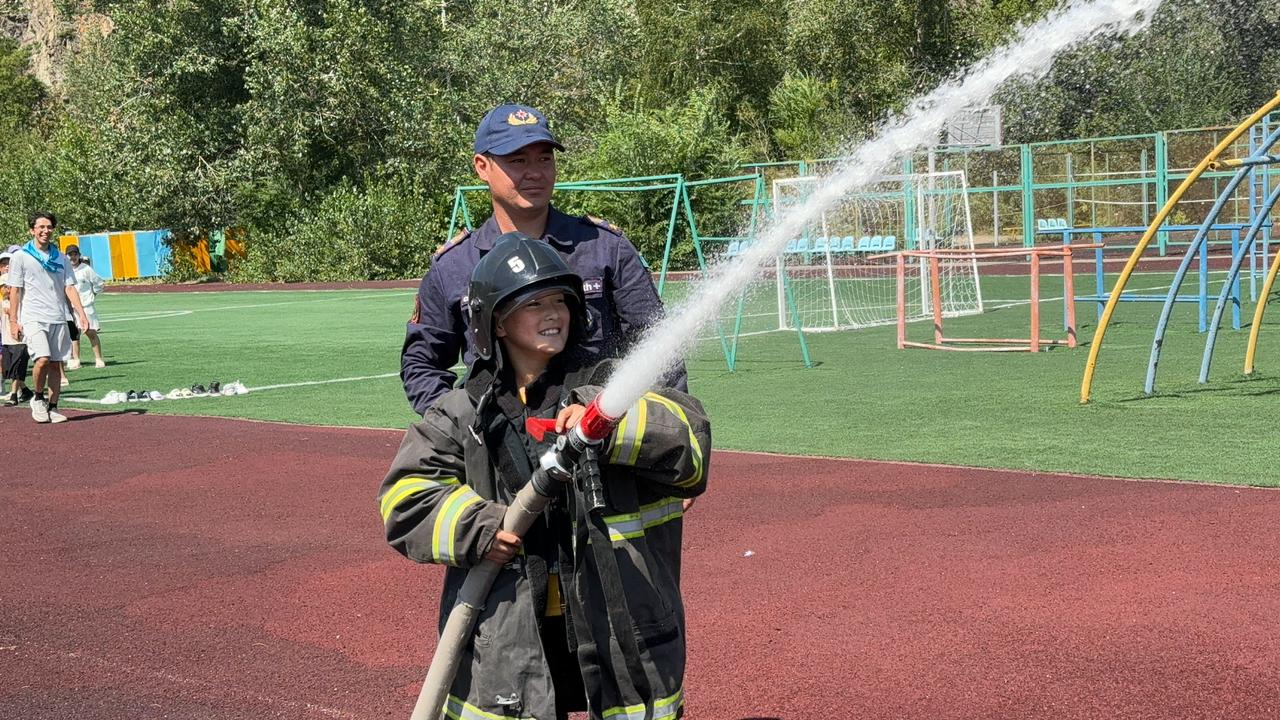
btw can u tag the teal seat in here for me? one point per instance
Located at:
(733, 249)
(877, 243)
(889, 243)
(847, 245)
(1062, 224)
(864, 245)
(802, 245)
(1042, 225)
(820, 245)
(791, 246)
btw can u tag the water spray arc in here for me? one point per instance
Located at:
(920, 126)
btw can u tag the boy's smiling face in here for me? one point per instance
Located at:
(539, 328)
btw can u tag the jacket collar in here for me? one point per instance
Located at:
(559, 231)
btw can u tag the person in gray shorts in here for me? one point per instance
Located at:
(41, 282)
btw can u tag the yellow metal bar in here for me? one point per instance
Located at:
(1252, 348)
(1224, 164)
(1095, 346)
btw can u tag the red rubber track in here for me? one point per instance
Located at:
(176, 567)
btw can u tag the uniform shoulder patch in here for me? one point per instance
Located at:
(454, 241)
(602, 223)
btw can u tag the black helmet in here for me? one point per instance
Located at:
(516, 269)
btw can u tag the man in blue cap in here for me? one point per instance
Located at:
(515, 155)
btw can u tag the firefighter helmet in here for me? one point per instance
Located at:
(514, 271)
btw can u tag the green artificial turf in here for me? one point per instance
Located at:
(864, 398)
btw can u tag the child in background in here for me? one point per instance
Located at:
(89, 284)
(13, 355)
(586, 613)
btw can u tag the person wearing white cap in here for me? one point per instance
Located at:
(89, 285)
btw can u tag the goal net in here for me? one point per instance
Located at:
(829, 276)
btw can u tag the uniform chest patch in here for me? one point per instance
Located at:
(593, 287)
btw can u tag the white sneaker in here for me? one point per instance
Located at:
(55, 416)
(99, 363)
(110, 398)
(39, 409)
(73, 364)
(239, 387)
(155, 395)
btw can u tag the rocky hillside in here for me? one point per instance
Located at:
(51, 30)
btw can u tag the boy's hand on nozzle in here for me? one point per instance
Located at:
(505, 546)
(569, 417)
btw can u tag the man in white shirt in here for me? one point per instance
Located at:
(41, 282)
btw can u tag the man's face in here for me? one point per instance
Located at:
(522, 180)
(42, 232)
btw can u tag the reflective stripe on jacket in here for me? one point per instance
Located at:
(443, 501)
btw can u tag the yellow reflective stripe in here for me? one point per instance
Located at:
(442, 546)
(693, 440)
(630, 433)
(406, 487)
(666, 707)
(459, 709)
(633, 525)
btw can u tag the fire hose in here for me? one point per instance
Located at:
(556, 466)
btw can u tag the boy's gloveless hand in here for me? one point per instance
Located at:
(569, 417)
(505, 546)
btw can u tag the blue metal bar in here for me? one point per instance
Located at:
(1233, 276)
(1197, 246)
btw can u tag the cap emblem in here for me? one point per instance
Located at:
(516, 264)
(522, 117)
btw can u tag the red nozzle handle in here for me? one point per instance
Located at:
(539, 427)
(594, 427)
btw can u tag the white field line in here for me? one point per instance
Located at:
(156, 314)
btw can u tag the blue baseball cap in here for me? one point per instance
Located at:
(507, 128)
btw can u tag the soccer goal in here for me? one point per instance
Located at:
(838, 272)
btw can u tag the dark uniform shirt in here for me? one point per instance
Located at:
(621, 301)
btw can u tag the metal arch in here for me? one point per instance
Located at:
(1095, 345)
(1198, 246)
(1232, 276)
(1252, 349)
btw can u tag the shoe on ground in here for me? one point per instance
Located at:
(199, 391)
(39, 409)
(11, 400)
(99, 363)
(173, 394)
(55, 416)
(215, 388)
(111, 398)
(26, 396)
(131, 396)
(239, 388)
(155, 395)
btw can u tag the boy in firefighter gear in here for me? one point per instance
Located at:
(586, 615)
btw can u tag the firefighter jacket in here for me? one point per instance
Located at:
(443, 501)
(621, 301)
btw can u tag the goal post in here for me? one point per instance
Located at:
(836, 267)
